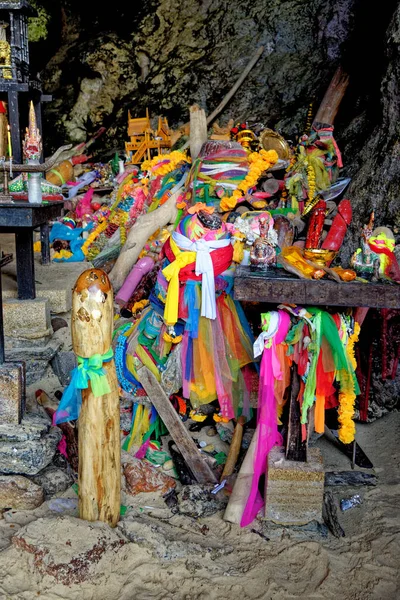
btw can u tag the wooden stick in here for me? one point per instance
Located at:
(99, 474)
(198, 130)
(232, 91)
(176, 428)
(234, 449)
(237, 85)
(334, 95)
(145, 226)
(241, 490)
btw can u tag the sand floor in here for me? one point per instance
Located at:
(153, 554)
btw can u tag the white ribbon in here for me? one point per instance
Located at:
(204, 267)
(259, 344)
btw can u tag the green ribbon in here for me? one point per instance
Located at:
(88, 369)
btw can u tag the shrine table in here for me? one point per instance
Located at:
(22, 218)
(277, 286)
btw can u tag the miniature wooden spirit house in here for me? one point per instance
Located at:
(144, 140)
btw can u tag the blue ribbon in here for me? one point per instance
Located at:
(88, 369)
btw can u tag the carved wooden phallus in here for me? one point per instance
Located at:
(99, 472)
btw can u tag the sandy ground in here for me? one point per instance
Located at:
(153, 554)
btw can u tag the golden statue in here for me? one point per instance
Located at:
(5, 53)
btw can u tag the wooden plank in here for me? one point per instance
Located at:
(176, 428)
(277, 288)
(295, 448)
(23, 214)
(25, 264)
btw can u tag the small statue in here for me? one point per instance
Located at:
(262, 253)
(5, 52)
(364, 258)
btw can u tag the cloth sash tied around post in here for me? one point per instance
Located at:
(199, 252)
(88, 369)
(267, 428)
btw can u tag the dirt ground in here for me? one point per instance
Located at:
(153, 554)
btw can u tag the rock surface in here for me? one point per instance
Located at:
(66, 548)
(20, 493)
(198, 501)
(140, 476)
(53, 480)
(29, 447)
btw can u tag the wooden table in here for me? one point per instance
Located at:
(280, 287)
(22, 218)
(277, 286)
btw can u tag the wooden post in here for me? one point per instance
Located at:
(99, 474)
(198, 130)
(333, 97)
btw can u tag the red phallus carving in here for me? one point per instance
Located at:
(316, 225)
(335, 237)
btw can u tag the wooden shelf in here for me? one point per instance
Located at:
(277, 286)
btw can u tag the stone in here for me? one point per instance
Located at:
(19, 493)
(142, 477)
(36, 358)
(198, 501)
(54, 283)
(225, 431)
(29, 447)
(58, 323)
(66, 548)
(62, 365)
(294, 490)
(12, 392)
(28, 319)
(32, 427)
(53, 480)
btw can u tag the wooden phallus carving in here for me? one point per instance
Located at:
(99, 472)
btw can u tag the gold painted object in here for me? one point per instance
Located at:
(271, 140)
(246, 137)
(320, 256)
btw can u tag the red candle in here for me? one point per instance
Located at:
(316, 225)
(335, 237)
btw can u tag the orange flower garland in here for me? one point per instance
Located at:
(259, 163)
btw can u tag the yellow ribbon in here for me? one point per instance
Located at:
(171, 274)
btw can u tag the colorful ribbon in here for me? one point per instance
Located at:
(267, 429)
(88, 369)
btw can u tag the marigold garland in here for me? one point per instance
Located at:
(259, 163)
(347, 428)
(162, 164)
(91, 238)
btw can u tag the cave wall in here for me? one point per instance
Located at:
(168, 54)
(176, 53)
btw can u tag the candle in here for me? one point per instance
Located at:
(9, 141)
(316, 225)
(11, 174)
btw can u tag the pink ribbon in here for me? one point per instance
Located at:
(267, 428)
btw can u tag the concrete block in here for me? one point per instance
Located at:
(294, 490)
(12, 392)
(28, 319)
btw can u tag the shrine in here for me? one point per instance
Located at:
(144, 140)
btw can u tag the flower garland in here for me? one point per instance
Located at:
(91, 238)
(259, 163)
(347, 427)
(162, 164)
